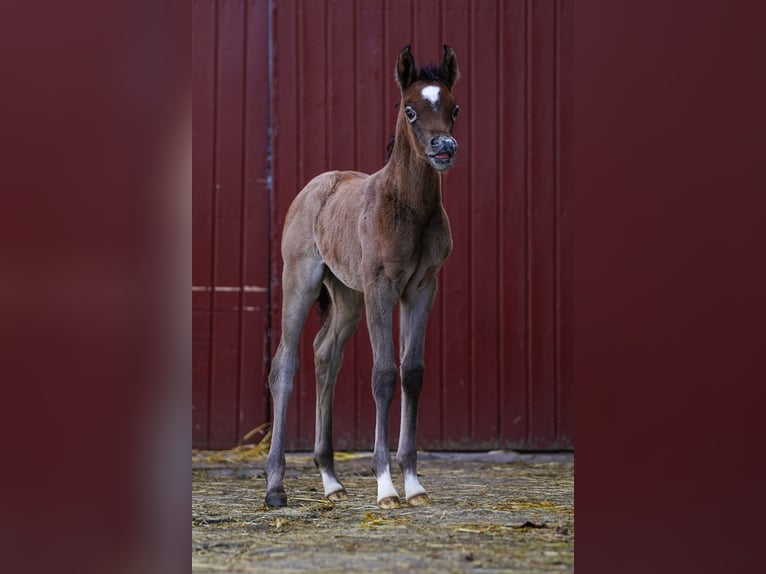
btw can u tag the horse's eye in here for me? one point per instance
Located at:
(411, 115)
(455, 112)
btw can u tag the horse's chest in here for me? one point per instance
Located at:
(403, 248)
(431, 258)
(427, 255)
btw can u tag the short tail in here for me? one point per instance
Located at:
(323, 303)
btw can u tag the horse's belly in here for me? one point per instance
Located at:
(350, 278)
(339, 248)
(335, 227)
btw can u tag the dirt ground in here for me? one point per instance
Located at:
(490, 512)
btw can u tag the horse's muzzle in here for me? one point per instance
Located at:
(442, 150)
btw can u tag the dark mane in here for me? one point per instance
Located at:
(430, 73)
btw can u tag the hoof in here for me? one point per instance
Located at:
(419, 500)
(338, 495)
(389, 502)
(276, 498)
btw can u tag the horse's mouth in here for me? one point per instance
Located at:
(442, 160)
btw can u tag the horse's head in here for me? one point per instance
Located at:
(428, 109)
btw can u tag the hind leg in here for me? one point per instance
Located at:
(342, 321)
(301, 283)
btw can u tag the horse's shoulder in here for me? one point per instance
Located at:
(351, 174)
(343, 177)
(329, 181)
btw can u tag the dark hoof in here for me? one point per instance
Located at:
(276, 498)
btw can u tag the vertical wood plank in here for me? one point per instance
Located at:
(371, 148)
(542, 229)
(456, 273)
(484, 226)
(254, 309)
(200, 376)
(203, 157)
(227, 224)
(398, 33)
(427, 41)
(513, 351)
(565, 241)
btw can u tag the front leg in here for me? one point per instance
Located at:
(414, 311)
(380, 298)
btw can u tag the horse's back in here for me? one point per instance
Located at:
(322, 220)
(315, 193)
(335, 185)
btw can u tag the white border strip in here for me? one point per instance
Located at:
(219, 289)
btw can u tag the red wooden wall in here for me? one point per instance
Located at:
(498, 353)
(230, 219)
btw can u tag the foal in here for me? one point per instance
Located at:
(363, 242)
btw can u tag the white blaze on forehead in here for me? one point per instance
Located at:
(431, 93)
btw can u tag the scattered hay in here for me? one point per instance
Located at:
(240, 453)
(245, 452)
(482, 517)
(373, 519)
(282, 524)
(492, 529)
(265, 430)
(341, 455)
(496, 529)
(516, 506)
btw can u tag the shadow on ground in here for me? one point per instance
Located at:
(490, 512)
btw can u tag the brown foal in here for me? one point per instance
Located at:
(368, 242)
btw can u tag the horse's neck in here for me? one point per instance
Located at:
(415, 182)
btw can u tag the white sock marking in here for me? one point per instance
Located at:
(330, 484)
(431, 93)
(412, 486)
(386, 486)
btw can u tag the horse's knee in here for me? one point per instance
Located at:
(412, 378)
(383, 382)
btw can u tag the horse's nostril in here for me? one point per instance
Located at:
(435, 142)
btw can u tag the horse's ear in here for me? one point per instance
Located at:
(448, 69)
(405, 68)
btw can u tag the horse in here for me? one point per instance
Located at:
(353, 242)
